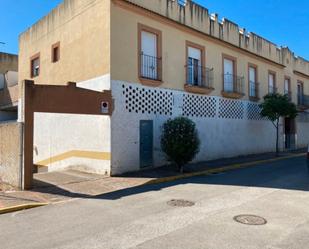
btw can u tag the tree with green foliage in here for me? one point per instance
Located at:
(180, 141)
(276, 106)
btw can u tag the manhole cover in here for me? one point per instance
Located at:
(250, 219)
(180, 203)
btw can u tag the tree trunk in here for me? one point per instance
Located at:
(277, 138)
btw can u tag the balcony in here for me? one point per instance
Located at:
(232, 86)
(199, 79)
(8, 90)
(272, 89)
(254, 91)
(288, 94)
(302, 102)
(150, 69)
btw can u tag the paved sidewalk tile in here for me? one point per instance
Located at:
(59, 186)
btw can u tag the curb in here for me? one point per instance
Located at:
(220, 169)
(21, 207)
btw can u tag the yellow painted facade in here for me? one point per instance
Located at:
(82, 29)
(124, 66)
(98, 37)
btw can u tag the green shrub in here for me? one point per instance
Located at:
(180, 141)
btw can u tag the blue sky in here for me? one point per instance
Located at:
(284, 22)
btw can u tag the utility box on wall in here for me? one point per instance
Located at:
(104, 107)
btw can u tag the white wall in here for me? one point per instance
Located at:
(220, 136)
(56, 135)
(99, 84)
(86, 137)
(302, 127)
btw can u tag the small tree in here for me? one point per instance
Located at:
(275, 106)
(179, 141)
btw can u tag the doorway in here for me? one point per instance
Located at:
(146, 143)
(289, 132)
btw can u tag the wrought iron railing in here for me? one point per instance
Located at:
(253, 89)
(288, 94)
(272, 89)
(233, 84)
(303, 100)
(199, 76)
(150, 67)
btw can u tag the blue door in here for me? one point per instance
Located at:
(146, 143)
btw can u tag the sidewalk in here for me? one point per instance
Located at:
(55, 187)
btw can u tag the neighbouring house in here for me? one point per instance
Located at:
(10, 129)
(8, 86)
(159, 59)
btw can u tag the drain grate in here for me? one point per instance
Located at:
(180, 203)
(249, 219)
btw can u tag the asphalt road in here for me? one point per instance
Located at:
(140, 217)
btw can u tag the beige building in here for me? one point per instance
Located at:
(8, 86)
(160, 59)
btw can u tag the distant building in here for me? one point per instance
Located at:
(160, 59)
(8, 86)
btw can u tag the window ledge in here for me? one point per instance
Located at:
(255, 99)
(198, 89)
(150, 82)
(232, 95)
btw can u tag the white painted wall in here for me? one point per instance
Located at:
(220, 137)
(99, 84)
(55, 134)
(302, 127)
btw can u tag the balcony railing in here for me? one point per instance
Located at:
(150, 67)
(233, 84)
(303, 100)
(199, 76)
(272, 89)
(253, 90)
(288, 94)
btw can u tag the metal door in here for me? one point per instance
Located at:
(146, 143)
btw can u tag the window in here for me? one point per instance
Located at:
(55, 53)
(287, 87)
(195, 60)
(150, 61)
(253, 84)
(271, 82)
(35, 66)
(300, 93)
(229, 74)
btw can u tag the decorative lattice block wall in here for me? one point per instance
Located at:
(199, 106)
(253, 112)
(147, 101)
(232, 109)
